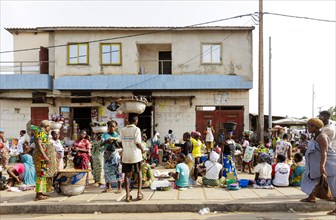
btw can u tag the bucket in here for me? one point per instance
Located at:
(13, 159)
(243, 183)
(70, 182)
(230, 181)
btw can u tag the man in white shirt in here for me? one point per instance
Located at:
(130, 138)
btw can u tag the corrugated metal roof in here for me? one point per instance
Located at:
(115, 28)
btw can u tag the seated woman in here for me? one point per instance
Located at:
(181, 175)
(147, 174)
(23, 172)
(213, 170)
(82, 147)
(263, 170)
(297, 168)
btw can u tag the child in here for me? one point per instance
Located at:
(213, 170)
(263, 170)
(209, 136)
(165, 148)
(280, 171)
(196, 152)
(59, 149)
(248, 152)
(297, 170)
(187, 146)
(181, 175)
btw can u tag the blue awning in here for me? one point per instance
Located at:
(25, 81)
(152, 82)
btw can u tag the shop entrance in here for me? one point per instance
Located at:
(82, 116)
(145, 121)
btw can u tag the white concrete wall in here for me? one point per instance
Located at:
(176, 114)
(186, 50)
(25, 40)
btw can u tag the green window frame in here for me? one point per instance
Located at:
(211, 53)
(110, 54)
(78, 53)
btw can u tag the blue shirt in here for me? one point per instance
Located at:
(183, 170)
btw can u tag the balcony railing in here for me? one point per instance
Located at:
(23, 67)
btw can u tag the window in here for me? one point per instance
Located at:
(110, 54)
(78, 53)
(211, 53)
(39, 97)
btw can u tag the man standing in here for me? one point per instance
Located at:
(130, 138)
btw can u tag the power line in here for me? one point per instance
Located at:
(300, 17)
(134, 35)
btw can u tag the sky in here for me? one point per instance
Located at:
(303, 50)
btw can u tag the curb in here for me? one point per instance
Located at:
(157, 208)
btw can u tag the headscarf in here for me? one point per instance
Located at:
(265, 158)
(29, 175)
(2, 130)
(316, 122)
(156, 137)
(214, 156)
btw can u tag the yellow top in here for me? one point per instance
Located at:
(197, 146)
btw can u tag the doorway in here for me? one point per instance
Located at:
(145, 121)
(82, 116)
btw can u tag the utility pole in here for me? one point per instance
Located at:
(270, 86)
(313, 99)
(261, 75)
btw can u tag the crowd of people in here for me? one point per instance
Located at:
(123, 157)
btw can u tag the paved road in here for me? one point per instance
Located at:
(176, 216)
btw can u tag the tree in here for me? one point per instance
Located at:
(332, 110)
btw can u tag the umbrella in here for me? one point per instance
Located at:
(290, 121)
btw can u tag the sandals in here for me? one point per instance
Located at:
(333, 212)
(307, 200)
(41, 197)
(128, 199)
(106, 190)
(140, 196)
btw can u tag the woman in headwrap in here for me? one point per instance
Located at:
(320, 160)
(4, 149)
(263, 170)
(44, 160)
(213, 170)
(23, 172)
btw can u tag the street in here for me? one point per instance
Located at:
(176, 216)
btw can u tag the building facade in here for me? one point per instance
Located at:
(188, 75)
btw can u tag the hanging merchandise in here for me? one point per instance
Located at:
(113, 106)
(75, 131)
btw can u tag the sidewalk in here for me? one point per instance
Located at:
(190, 200)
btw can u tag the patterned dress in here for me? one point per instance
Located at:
(228, 160)
(44, 172)
(85, 156)
(4, 153)
(98, 161)
(112, 160)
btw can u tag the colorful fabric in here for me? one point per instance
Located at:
(112, 166)
(264, 182)
(281, 147)
(44, 172)
(43, 184)
(85, 156)
(4, 153)
(297, 173)
(229, 166)
(147, 176)
(210, 182)
(97, 161)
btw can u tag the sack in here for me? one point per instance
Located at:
(322, 189)
(77, 161)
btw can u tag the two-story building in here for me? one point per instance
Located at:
(188, 74)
